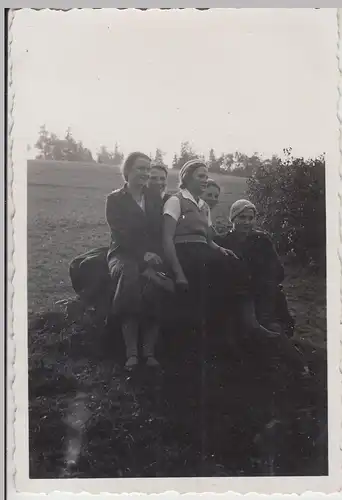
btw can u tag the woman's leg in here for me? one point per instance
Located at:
(130, 330)
(150, 333)
(229, 281)
(126, 302)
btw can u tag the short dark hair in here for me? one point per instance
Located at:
(212, 182)
(129, 162)
(161, 167)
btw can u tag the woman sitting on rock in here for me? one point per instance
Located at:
(134, 216)
(256, 249)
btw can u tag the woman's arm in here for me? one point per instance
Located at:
(217, 247)
(273, 266)
(169, 227)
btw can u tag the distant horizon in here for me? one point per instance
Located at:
(281, 154)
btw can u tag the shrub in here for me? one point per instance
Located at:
(290, 197)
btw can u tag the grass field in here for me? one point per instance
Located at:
(129, 426)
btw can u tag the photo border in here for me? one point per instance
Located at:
(16, 408)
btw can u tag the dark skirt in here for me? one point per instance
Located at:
(211, 274)
(133, 295)
(216, 284)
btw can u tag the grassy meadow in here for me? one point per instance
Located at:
(66, 216)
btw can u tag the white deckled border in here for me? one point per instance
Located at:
(339, 116)
(18, 481)
(11, 350)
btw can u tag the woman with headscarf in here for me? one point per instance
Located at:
(134, 216)
(255, 247)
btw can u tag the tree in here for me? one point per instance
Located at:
(51, 147)
(110, 157)
(103, 156)
(159, 157)
(290, 196)
(186, 154)
(117, 156)
(175, 161)
(214, 163)
(43, 144)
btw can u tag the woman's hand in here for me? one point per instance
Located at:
(152, 259)
(226, 252)
(181, 281)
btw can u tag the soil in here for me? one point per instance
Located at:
(229, 416)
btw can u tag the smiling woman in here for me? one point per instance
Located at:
(134, 218)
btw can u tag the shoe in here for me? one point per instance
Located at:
(131, 362)
(265, 332)
(274, 327)
(152, 362)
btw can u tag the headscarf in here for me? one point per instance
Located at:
(239, 206)
(188, 169)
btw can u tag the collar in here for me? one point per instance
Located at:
(124, 189)
(186, 194)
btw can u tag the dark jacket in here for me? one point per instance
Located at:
(258, 252)
(134, 231)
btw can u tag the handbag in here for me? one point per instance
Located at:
(160, 279)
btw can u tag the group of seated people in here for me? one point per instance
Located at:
(167, 243)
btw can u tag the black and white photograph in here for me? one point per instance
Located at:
(176, 274)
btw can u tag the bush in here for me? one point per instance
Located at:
(290, 197)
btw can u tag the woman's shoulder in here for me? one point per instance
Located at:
(173, 198)
(116, 193)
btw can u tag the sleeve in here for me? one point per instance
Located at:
(172, 207)
(273, 266)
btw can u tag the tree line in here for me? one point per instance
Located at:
(67, 148)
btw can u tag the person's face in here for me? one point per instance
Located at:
(245, 221)
(157, 180)
(198, 182)
(211, 196)
(140, 172)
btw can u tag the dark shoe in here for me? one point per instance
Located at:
(260, 330)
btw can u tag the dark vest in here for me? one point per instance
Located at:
(192, 225)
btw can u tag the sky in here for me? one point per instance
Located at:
(229, 79)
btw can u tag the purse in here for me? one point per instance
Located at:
(160, 279)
